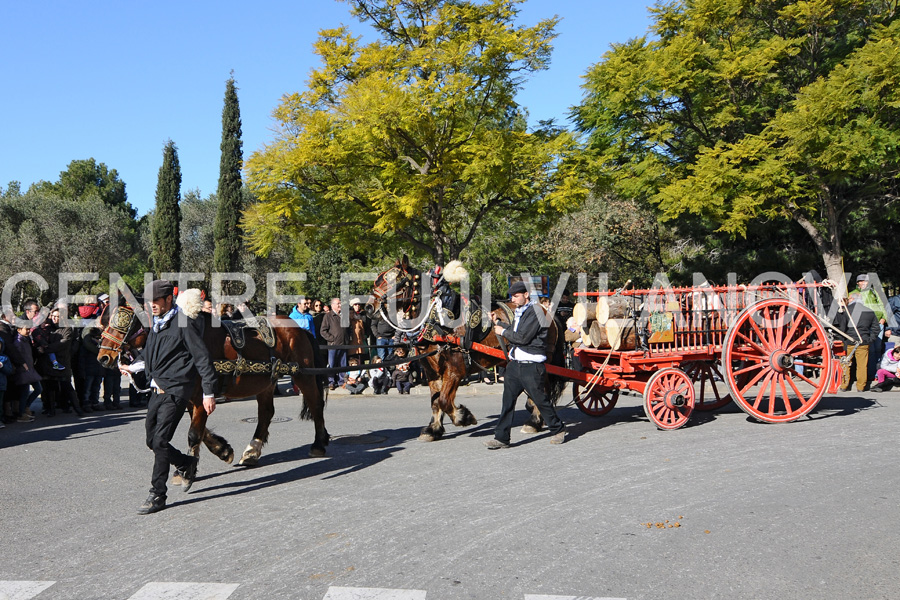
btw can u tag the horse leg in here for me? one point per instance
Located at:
(456, 371)
(459, 414)
(265, 410)
(535, 422)
(314, 408)
(435, 429)
(218, 445)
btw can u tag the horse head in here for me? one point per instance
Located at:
(121, 335)
(399, 286)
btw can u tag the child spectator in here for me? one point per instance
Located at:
(357, 380)
(380, 378)
(400, 377)
(886, 375)
(26, 377)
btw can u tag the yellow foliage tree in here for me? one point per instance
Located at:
(416, 135)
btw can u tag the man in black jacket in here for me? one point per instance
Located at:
(860, 323)
(175, 357)
(525, 370)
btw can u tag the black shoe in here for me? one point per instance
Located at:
(112, 406)
(152, 504)
(189, 473)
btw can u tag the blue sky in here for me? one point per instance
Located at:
(114, 80)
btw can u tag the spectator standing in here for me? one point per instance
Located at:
(860, 323)
(335, 334)
(27, 379)
(868, 297)
(6, 370)
(384, 336)
(301, 315)
(90, 368)
(8, 336)
(57, 390)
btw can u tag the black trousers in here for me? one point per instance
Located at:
(529, 378)
(163, 414)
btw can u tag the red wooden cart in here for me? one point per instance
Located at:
(765, 347)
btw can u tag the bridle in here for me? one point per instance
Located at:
(121, 321)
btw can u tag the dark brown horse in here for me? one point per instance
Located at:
(124, 334)
(398, 288)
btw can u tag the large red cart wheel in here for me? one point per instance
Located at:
(710, 389)
(598, 402)
(669, 398)
(777, 361)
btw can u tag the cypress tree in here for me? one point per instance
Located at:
(226, 232)
(165, 232)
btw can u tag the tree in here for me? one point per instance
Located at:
(50, 235)
(165, 254)
(88, 179)
(742, 110)
(229, 194)
(416, 136)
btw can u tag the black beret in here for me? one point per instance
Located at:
(161, 288)
(517, 288)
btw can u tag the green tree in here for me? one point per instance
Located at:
(88, 179)
(48, 235)
(165, 254)
(13, 190)
(416, 136)
(229, 194)
(748, 109)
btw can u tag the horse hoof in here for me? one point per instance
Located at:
(425, 437)
(248, 461)
(530, 429)
(316, 452)
(176, 481)
(228, 456)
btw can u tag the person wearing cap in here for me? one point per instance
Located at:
(174, 358)
(860, 323)
(868, 297)
(525, 371)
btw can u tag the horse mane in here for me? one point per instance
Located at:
(190, 302)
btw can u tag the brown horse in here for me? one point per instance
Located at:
(124, 334)
(400, 287)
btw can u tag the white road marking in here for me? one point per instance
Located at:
(532, 597)
(22, 590)
(346, 593)
(185, 591)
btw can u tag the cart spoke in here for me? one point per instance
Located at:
(808, 333)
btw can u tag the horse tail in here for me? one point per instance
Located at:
(558, 358)
(319, 362)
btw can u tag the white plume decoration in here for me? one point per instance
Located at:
(455, 272)
(190, 302)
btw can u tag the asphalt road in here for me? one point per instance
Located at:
(800, 510)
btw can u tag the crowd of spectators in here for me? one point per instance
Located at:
(873, 344)
(363, 341)
(43, 359)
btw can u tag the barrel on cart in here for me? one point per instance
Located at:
(765, 347)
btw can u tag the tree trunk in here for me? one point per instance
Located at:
(827, 242)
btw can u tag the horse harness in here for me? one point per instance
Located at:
(236, 331)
